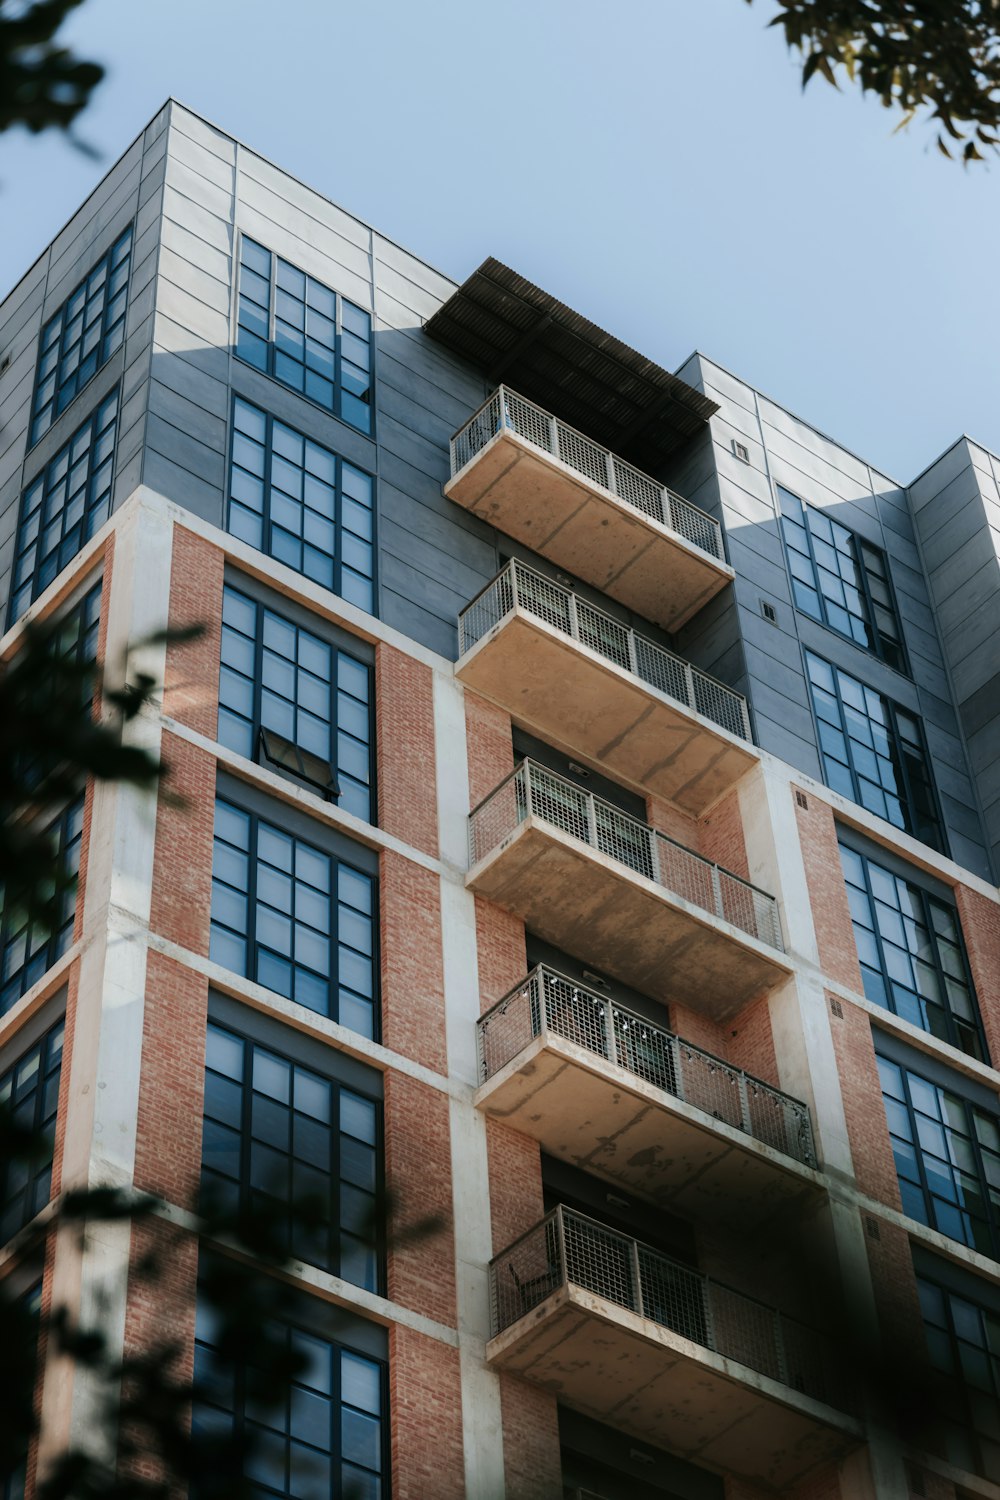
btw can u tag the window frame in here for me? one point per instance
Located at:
(927, 898)
(893, 709)
(339, 460)
(58, 941)
(339, 641)
(37, 1036)
(257, 1031)
(949, 1280)
(869, 619)
(57, 410)
(336, 410)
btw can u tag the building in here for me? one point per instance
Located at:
(614, 853)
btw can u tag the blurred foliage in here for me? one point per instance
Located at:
(41, 83)
(940, 58)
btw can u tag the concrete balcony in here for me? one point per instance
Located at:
(601, 1087)
(565, 497)
(586, 877)
(628, 1336)
(589, 684)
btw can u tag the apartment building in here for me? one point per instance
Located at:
(582, 821)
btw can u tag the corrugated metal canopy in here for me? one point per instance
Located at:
(522, 336)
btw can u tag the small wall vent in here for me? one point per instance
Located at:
(836, 1008)
(801, 799)
(742, 451)
(871, 1225)
(769, 612)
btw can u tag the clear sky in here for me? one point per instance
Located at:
(654, 163)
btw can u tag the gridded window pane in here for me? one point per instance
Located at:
(947, 1162)
(276, 1132)
(839, 579)
(327, 1437)
(293, 918)
(29, 1090)
(63, 507)
(963, 1344)
(312, 700)
(83, 334)
(911, 953)
(29, 949)
(302, 504)
(307, 336)
(873, 752)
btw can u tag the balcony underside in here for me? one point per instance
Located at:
(590, 1112)
(591, 708)
(591, 906)
(621, 1369)
(558, 513)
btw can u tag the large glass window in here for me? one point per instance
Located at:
(840, 579)
(85, 331)
(297, 699)
(963, 1340)
(276, 1133)
(294, 918)
(30, 1091)
(303, 505)
(911, 952)
(298, 330)
(28, 949)
(328, 1438)
(63, 507)
(873, 752)
(947, 1154)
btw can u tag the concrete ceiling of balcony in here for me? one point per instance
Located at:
(521, 335)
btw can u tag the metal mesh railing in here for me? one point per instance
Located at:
(533, 790)
(547, 1001)
(505, 408)
(567, 1248)
(520, 586)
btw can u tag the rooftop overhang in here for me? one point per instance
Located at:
(519, 334)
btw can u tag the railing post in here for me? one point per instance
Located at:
(538, 1003)
(561, 1246)
(689, 686)
(554, 436)
(741, 1084)
(674, 1048)
(526, 770)
(574, 619)
(633, 655)
(717, 891)
(711, 1342)
(667, 507)
(610, 1035)
(512, 569)
(609, 465)
(637, 1277)
(591, 820)
(779, 1348)
(502, 398)
(654, 858)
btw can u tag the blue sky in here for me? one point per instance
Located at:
(654, 163)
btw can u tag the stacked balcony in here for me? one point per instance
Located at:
(607, 1090)
(585, 682)
(626, 1335)
(535, 478)
(597, 883)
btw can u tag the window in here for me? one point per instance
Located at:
(330, 1435)
(30, 1091)
(303, 505)
(84, 333)
(296, 329)
(29, 949)
(840, 579)
(276, 1132)
(911, 953)
(947, 1155)
(64, 506)
(304, 693)
(963, 1340)
(13, 1484)
(873, 752)
(294, 918)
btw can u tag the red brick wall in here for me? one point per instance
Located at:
(171, 1086)
(501, 951)
(675, 824)
(407, 793)
(182, 864)
(191, 675)
(532, 1467)
(425, 1404)
(828, 894)
(980, 919)
(418, 1179)
(751, 1042)
(515, 1168)
(488, 745)
(721, 836)
(412, 965)
(864, 1111)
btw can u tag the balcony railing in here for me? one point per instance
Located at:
(534, 791)
(548, 1001)
(506, 409)
(523, 587)
(569, 1249)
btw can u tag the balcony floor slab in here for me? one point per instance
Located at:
(599, 910)
(619, 1368)
(583, 1109)
(589, 707)
(581, 527)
